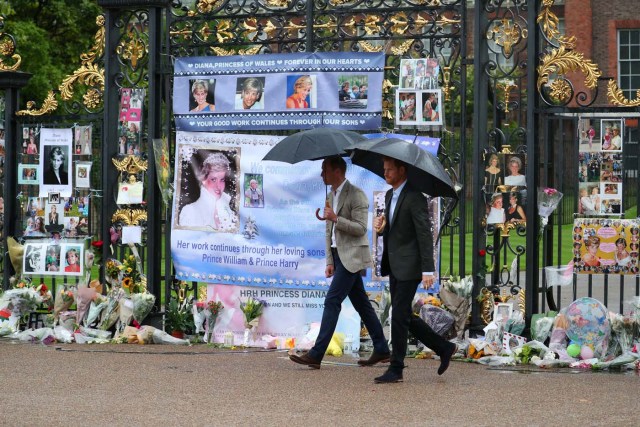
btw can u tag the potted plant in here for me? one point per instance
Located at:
(177, 319)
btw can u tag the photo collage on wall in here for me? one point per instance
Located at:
(419, 97)
(600, 169)
(130, 121)
(53, 160)
(505, 187)
(606, 245)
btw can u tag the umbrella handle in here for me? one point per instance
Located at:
(321, 218)
(380, 229)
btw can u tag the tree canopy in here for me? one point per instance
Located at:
(50, 36)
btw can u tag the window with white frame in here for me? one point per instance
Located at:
(629, 61)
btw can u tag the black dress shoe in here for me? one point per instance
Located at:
(389, 377)
(375, 358)
(305, 359)
(445, 359)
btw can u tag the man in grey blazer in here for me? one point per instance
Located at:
(347, 254)
(407, 259)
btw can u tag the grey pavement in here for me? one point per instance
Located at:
(96, 385)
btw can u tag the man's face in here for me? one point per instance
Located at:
(327, 173)
(393, 174)
(253, 185)
(215, 183)
(249, 97)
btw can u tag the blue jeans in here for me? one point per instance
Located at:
(347, 284)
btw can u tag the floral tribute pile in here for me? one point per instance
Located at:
(582, 335)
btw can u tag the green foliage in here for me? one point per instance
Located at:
(177, 317)
(50, 36)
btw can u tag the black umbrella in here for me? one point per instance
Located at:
(313, 144)
(424, 172)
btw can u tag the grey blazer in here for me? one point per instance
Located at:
(351, 229)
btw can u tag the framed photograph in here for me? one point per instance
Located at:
(421, 108)
(511, 341)
(54, 198)
(431, 104)
(611, 135)
(27, 174)
(502, 312)
(83, 173)
(253, 190)
(206, 174)
(406, 105)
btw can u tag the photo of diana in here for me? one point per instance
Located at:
(202, 99)
(249, 93)
(215, 204)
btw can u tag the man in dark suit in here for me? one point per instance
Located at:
(347, 248)
(407, 259)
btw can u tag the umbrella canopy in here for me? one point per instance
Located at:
(424, 172)
(313, 144)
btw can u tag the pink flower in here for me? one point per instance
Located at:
(550, 191)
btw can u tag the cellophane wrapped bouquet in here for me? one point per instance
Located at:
(212, 311)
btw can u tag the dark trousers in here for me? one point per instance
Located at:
(403, 320)
(347, 284)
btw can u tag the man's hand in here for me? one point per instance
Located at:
(428, 280)
(330, 214)
(328, 272)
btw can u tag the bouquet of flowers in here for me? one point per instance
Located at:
(85, 297)
(622, 329)
(142, 305)
(47, 298)
(161, 156)
(98, 304)
(113, 272)
(64, 300)
(211, 314)
(252, 310)
(456, 297)
(20, 301)
(111, 312)
(548, 200)
(198, 315)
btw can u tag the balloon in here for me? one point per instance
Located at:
(586, 352)
(573, 350)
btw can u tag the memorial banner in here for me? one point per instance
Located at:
(279, 91)
(288, 313)
(238, 220)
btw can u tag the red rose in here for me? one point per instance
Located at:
(97, 244)
(482, 252)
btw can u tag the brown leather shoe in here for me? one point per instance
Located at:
(305, 359)
(375, 358)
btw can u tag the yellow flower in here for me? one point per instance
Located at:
(120, 267)
(127, 282)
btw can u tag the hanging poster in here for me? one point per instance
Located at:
(55, 161)
(82, 141)
(130, 121)
(606, 245)
(600, 167)
(281, 91)
(53, 259)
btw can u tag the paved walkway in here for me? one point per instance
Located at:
(100, 385)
